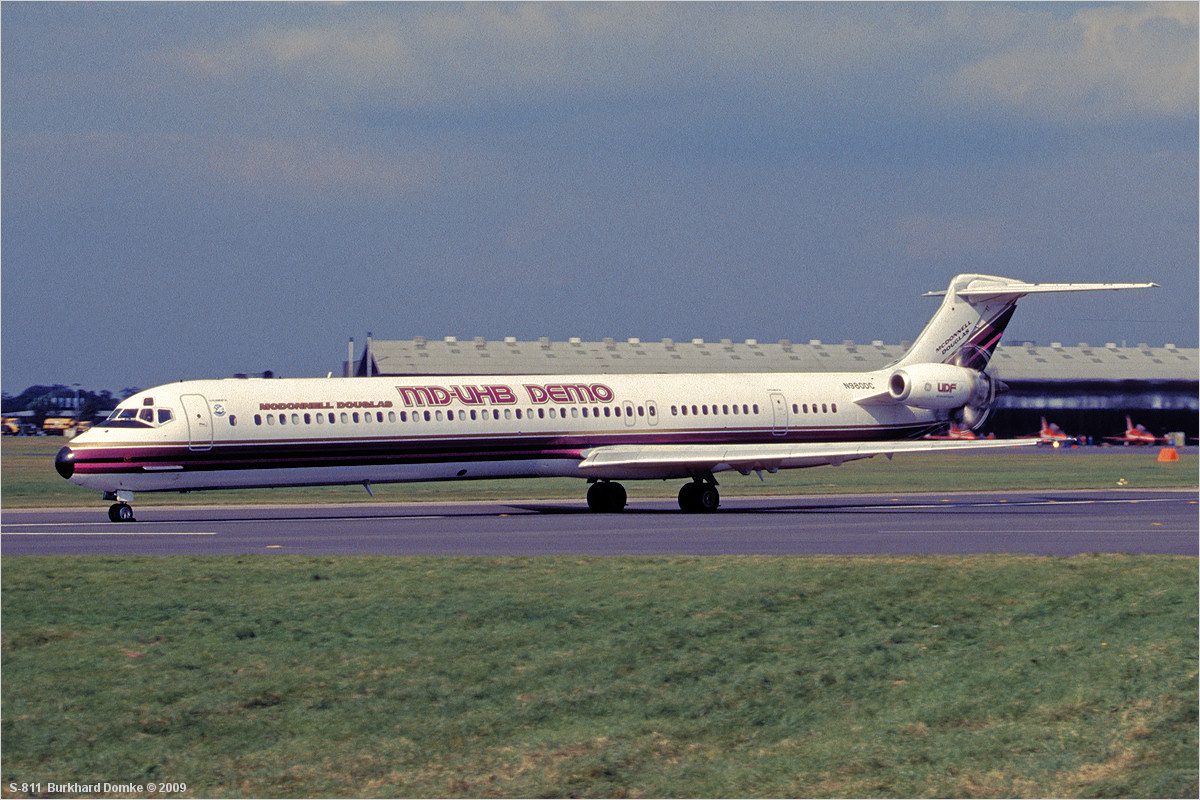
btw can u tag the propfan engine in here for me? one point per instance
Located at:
(969, 393)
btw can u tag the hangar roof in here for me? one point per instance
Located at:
(1020, 361)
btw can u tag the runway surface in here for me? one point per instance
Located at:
(1040, 523)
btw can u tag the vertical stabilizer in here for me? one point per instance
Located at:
(975, 311)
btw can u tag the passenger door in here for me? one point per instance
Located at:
(199, 421)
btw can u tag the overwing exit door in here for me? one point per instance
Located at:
(780, 414)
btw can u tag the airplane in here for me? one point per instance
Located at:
(1052, 435)
(1134, 434)
(604, 428)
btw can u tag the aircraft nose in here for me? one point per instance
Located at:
(64, 462)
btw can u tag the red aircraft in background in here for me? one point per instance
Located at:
(1134, 434)
(1052, 435)
(955, 432)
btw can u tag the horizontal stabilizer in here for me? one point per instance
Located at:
(995, 287)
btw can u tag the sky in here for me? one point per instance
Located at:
(194, 190)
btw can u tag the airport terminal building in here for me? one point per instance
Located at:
(1086, 389)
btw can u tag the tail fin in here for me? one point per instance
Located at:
(972, 318)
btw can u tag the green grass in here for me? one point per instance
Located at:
(798, 676)
(28, 479)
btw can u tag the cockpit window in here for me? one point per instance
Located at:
(137, 418)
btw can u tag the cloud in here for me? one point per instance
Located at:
(1088, 63)
(312, 167)
(1109, 63)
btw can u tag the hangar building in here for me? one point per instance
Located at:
(1086, 389)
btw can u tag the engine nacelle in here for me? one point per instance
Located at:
(940, 386)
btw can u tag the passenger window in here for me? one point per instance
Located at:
(232, 420)
(295, 419)
(607, 411)
(283, 419)
(756, 408)
(833, 407)
(308, 419)
(258, 419)
(270, 419)
(824, 410)
(345, 418)
(391, 416)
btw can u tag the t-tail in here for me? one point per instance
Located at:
(974, 313)
(955, 348)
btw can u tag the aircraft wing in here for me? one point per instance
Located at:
(683, 460)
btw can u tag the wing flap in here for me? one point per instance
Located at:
(666, 461)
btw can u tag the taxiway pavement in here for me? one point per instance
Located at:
(1060, 523)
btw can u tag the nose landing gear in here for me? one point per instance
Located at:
(121, 512)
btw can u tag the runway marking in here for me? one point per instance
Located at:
(1033, 532)
(7, 532)
(110, 533)
(987, 504)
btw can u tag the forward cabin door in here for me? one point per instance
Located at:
(780, 414)
(199, 421)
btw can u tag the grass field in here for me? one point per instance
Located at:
(720, 677)
(28, 479)
(730, 676)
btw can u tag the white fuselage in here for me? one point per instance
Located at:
(239, 433)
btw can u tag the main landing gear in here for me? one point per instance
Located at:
(699, 496)
(606, 496)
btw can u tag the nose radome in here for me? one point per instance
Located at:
(64, 462)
